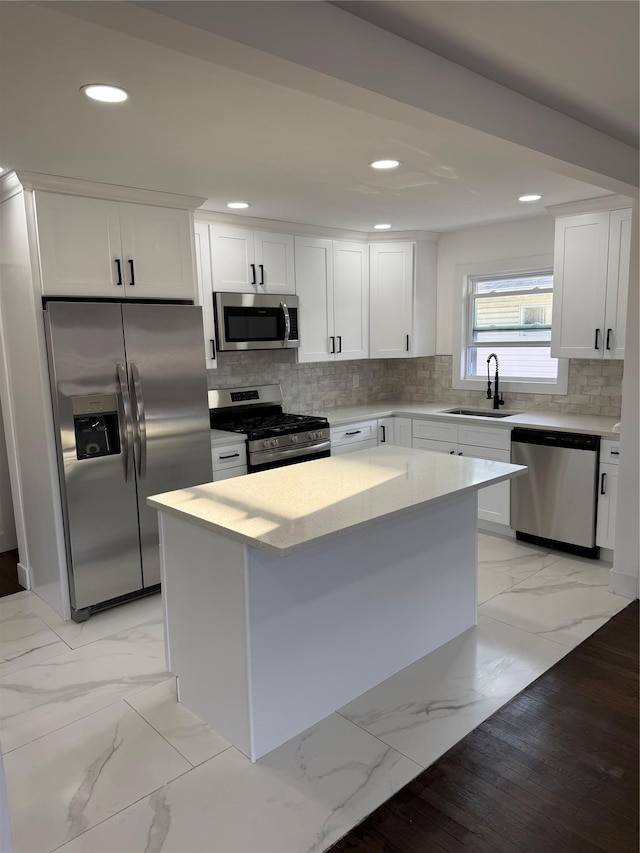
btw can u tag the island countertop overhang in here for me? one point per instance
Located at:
(289, 508)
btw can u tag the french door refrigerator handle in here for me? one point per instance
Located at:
(126, 432)
(140, 421)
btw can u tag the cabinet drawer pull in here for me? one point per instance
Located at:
(608, 343)
(119, 268)
(459, 453)
(384, 433)
(333, 344)
(339, 343)
(229, 456)
(615, 453)
(253, 274)
(354, 432)
(407, 343)
(603, 479)
(132, 274)
(596, 344)
(452, 453)
(213, 348)
(261, 274)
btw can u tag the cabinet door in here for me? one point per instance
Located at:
(579, 284)
(402, 432)
(274, 262)
(232, 259)
(607, 500)
(385, 431)
(314, 285)
(493, 501)
(79, 243)
(391, 278)
(617, 283)
(205, 291)
(157, 252)
(351, 300)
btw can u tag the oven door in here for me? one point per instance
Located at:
(256, 321)
(266, 459)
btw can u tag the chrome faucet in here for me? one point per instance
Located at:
(497, 396)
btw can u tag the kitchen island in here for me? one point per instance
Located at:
(287, 593)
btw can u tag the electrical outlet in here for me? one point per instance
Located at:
(356, 380)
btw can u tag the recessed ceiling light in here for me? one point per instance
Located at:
(238, 205)
(385, 164)
(104, 92)
(382, 227)
(532, 197)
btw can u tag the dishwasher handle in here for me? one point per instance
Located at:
(573, 440)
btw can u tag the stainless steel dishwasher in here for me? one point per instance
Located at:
(554, 503)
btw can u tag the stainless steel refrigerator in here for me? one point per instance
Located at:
(129, 392)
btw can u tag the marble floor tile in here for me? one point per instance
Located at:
(25, 639)
(43, 697)
(301, 797)
(187, 733)
(428, 707)
(565, 602)
(27, 603)
(64, 783)
(505, 562)
(110, 621)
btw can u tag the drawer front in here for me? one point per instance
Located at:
(492, 453)
(228, 473)
(435, 431)
(610, 452)
(229, 456)
(353, 433)
(437, 446)
(339, 449)
(481, 436)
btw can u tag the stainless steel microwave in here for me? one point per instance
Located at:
(256, 321)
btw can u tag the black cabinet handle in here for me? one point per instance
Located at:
(407, 343)
(213, 348)
(261, 274)
(596, 344)
(340, 343)
(333, 344)
(132, 274)
(230, 456)
(608, 343)
(354, 432)
(451, 452)
(384, 433)
(253, 274)
(615, 453)
(603, 479)
(459, 453)
(119, 268)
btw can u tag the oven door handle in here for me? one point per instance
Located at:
(287, 324)
(268, 456)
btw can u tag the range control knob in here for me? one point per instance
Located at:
(293, 439)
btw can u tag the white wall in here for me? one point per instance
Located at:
(520, 239)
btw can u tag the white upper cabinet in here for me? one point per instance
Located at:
(94, 247)
(591, 276)
(205, 292)
(391, 316)
(245, 261)
(332, 283)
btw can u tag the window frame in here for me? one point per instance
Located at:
(465, 274)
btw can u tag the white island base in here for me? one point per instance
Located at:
(265, 646)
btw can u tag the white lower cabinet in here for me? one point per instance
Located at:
(229, 460)
(607, 494)
(479, 442)
(360, 435)
(395, 430)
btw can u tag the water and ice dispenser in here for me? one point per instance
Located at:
(95, 421)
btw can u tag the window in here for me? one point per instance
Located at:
(511, 316)
(506, 308)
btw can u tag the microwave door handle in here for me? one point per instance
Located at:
(140, 421)
(126, 431)
(287, 324)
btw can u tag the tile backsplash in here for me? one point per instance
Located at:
(595, 387)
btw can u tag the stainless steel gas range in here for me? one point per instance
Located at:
(274, 438)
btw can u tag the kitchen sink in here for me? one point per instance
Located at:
(479, 413)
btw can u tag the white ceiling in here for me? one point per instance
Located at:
(202, 127)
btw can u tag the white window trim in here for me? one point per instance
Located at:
(505, 266)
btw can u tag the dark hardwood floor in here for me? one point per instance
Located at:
(9, 573)
(553, 771)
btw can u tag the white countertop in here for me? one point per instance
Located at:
(588, 424)
(287, 508)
